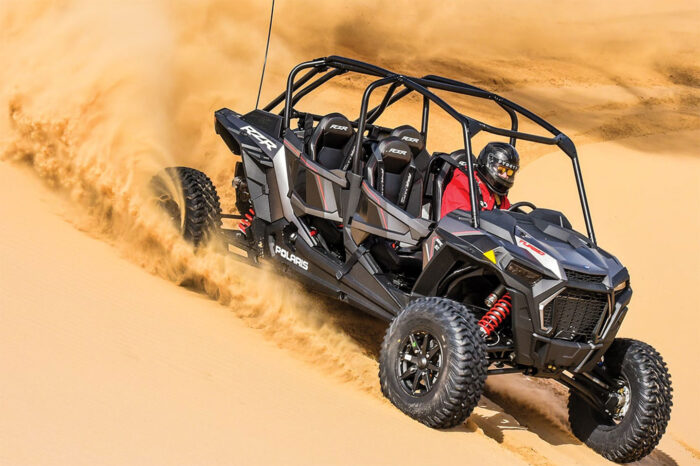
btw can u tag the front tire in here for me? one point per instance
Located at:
(634, 430)
(190, 199)
(432, 364)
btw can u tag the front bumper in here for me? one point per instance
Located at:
(537, 345)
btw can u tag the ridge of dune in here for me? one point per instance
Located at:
(95, 97)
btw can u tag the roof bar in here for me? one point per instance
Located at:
(304, 79)
(422, 85)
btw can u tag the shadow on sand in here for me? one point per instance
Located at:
(501, 410)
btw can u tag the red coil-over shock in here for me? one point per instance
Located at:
(496, 315)
(245, 222)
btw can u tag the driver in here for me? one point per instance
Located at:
(495, 173)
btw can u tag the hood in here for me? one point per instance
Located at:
(545, 237)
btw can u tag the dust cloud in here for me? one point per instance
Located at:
(99, 105)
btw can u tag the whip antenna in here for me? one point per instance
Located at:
(267, 47)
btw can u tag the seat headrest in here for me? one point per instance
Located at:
(461, 156)
(395, 154)
(411, 137)
(333, 130)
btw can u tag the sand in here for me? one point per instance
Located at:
(105, 360)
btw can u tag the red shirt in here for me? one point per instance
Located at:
(456, 195)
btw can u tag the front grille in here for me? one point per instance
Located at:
(574, 314)
(583, 277)
(547, 323)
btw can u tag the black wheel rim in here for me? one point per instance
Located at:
(419, 362)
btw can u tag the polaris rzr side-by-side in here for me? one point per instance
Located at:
(352, 209)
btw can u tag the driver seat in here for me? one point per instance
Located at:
(443, 177)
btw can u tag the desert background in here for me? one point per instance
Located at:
(120, 345)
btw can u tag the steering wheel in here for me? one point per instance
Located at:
(517, 206)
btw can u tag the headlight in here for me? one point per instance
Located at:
(525, 274)
(621, 286)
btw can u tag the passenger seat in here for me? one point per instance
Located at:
(392, 171)
(331, 142)
(416, 142)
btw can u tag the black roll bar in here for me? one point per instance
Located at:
(377, 111)
(470, 126)
(361, 124)
(584, 199)
(323, 79)
(424, 120)
(359, 66)
(512, 133)
(511, 108)
(346, 64)
(470, 169)
(502, 101)
(290, 86)
(303, 80)
(414, 86)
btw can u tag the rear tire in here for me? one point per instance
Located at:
(189, 197)
(647, 413)
(432, 364)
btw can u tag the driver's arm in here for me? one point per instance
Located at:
(505, 203)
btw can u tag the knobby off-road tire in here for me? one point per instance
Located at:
(189, 197)
(456, 390)
(641, 428)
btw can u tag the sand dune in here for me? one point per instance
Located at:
(103, 363)
(96, 96)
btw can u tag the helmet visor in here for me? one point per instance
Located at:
(503, 170)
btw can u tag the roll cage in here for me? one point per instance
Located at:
(322, 70)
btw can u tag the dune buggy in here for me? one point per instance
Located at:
(352, 209)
